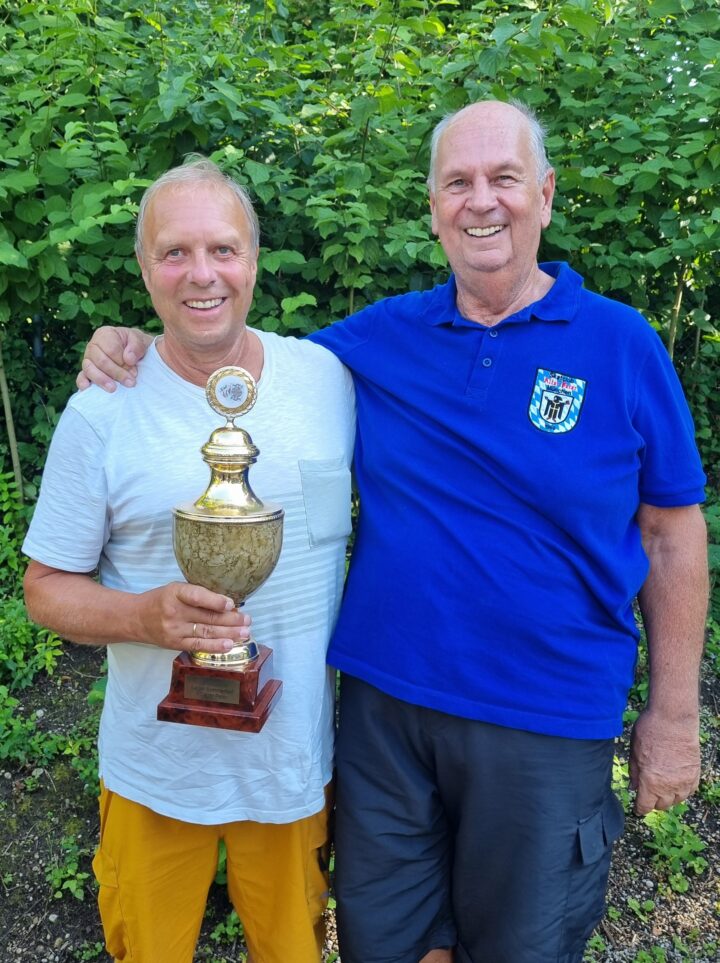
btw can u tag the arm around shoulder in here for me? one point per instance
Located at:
(111, 356)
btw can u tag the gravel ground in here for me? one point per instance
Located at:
(648, 921)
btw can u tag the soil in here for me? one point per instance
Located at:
(648, 921)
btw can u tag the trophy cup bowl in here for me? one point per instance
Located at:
(229, 555)
(229, 542)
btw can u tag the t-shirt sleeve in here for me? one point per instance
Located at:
(70, 524)
(671, 473)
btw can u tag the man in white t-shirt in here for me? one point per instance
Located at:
(117, 465)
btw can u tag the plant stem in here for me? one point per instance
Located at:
(675, 315)
(10, 424)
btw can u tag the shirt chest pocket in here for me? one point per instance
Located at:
(326, 494)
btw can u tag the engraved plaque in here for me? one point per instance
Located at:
(212, 689)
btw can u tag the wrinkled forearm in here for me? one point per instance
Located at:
(673, 602)
(80, 609)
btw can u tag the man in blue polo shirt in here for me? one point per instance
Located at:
(526, 467)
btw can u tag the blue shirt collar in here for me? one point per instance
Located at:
(559, 304)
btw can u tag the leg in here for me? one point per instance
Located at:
(391, 835)
(154, 874)
(278, 883)
(534, 820)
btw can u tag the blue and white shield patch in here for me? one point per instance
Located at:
(556, 401)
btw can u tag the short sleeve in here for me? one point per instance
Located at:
(671, 473)
(70, 524)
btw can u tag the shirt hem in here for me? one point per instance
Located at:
(567, 727)
(205, 818)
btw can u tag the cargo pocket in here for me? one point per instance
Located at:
(317, 869)
(116, 936)
(326, 495)
(589, 875)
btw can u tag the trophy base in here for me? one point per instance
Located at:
(221, 698)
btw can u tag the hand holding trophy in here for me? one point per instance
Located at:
(228, 541)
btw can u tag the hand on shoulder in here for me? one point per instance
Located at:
(111, 356)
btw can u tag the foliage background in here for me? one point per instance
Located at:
(324, 110)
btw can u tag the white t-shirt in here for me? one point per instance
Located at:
(118, 464)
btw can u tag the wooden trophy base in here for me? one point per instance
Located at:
(221, 698)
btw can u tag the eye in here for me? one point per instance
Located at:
(173, 254)
(224, 250)
(505, 179)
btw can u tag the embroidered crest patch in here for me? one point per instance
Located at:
(556, 401)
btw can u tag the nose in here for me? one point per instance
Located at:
(201, 270)
(482, 196)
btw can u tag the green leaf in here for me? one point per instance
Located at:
(362, 108)
(274, 261)
(709, 48)
(290, 305)
(665, 8)
(11, 256)
(18, 181)
(658, 257)
(68, 305)
(30, 211)
(257, 173)
(232, 94)
(584, 23)
(505, 28)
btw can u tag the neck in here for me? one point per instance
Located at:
(499, 298)
(196, 366)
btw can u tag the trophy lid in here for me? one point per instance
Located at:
(231, 391)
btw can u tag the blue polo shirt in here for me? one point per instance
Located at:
(500, 471)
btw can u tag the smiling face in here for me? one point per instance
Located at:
(199, 266)
(488, 208)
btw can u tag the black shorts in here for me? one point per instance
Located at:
(452, 832)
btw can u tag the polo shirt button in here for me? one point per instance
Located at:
(487, 362)
(493, 334)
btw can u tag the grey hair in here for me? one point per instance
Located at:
(538, 132)
(196, 170)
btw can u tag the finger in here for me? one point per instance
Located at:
(218, 646)
(201, 598)
(205, 631)
(107, 342)
(645, 801)
(82, 382)
(97, 363)
(95, 376)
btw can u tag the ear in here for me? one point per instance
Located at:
(433, 217)
(143, 269)
(548, 191)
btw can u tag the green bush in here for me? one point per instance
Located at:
(325, 109)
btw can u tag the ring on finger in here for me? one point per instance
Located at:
(194, 630)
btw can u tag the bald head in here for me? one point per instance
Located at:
(494, 113)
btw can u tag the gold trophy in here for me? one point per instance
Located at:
(228, 541)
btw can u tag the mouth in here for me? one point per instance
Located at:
(485, 231)
(207, 305)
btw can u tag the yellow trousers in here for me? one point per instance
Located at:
(155, 872)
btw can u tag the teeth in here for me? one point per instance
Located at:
(204, 304)
(483, 231)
